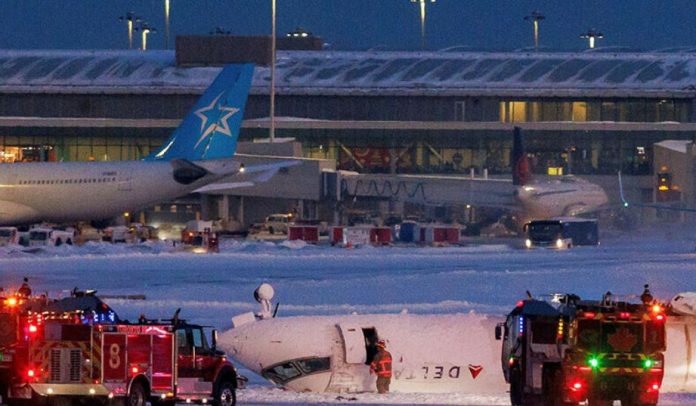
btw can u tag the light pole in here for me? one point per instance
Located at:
(166, 24)
(591, 36)
(145, 29)
(422, 4)
(130, 18)
(273, 70)
(535, 17)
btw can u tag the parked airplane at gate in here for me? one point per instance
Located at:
(198, 153)
(565, 196)
(454, 353)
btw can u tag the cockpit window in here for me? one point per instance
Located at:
(312, 365)
(290, 370)
(282, 373)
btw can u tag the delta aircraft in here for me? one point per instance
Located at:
(565, 196)
(455, 353)
(198, 153)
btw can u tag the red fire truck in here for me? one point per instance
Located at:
(77, 349)
(564, 351)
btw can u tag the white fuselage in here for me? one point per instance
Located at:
(65, 192)
(567, 196)
(431, 353)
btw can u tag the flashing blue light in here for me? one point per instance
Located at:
(520, 326)
(625, 204)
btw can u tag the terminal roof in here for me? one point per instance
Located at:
(602, 73)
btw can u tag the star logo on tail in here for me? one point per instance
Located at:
(214, 119)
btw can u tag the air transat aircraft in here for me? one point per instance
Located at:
(454, 353)
(198, 153)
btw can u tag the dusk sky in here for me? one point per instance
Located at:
(357, 24)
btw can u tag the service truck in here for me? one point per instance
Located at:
(561, 232)
(77, 350)
(564, 351)
(42, 236)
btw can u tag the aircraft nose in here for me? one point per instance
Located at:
(245, 345)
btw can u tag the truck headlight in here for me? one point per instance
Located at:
(559, 243)
(528, 243)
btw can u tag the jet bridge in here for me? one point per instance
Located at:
(422, 189)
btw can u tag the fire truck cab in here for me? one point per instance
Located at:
(564, 351)
(80, 350)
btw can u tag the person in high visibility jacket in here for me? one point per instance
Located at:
(382, 366)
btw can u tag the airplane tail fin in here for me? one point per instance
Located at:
(520, 164)
(211, 128)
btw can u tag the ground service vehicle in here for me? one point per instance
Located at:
(278, 223)
(565, 351)
(77, 349)
(50, 236)
(562, 232)
(9, 235)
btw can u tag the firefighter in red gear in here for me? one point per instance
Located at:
(382, 366)
(24, 290)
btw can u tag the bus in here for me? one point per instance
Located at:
(562, 232)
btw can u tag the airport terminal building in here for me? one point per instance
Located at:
(586, 113)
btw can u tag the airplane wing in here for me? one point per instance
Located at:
(626, 203)
(265, 173)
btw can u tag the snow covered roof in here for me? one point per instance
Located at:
(559, 74)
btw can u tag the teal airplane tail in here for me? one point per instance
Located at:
(211, 128)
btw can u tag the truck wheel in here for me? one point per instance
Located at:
(516, 389)
(59, 242)
(69, 242)
(137, 396)
(271, 230)
(226, 395)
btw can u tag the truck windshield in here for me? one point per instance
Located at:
(544, 230)
(38, 235)
(594, 335)
(5, 233)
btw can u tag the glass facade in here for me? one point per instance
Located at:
(75, 148)
(458, 152)
(638, 111)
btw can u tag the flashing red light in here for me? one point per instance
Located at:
(33, 329)
(511, 361)
(656, 308)
(520, 303)
(660, 317)
(625, 315)
(655, 386)
(585, 369)
(30, 373)
(12, 301)
(577, 386)
(135, 370)
(589, 315)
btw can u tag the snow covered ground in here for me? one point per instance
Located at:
(211, 288)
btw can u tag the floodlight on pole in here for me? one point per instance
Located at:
(145, 29)
(130, 19)
(271, 134)
(166, 23)
(535, 17)
(591, 36)
(422, 4)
